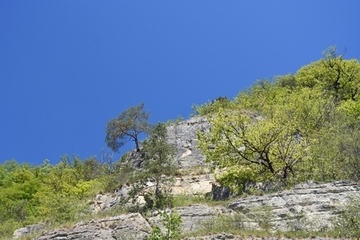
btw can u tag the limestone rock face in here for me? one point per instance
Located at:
(200, 184)
(184, 137)
(308, 206)
(193, 216)
(127, 226)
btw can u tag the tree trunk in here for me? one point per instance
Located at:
(137, 144)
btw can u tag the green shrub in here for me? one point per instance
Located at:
(173, 225)
(211, 107)
(348, 224)
(263, 216)
(7, 228)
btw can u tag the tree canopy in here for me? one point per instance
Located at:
(128, 126)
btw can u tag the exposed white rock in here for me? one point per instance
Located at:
(193, 216)
(308, 206)
(184, 137)
(193, 185)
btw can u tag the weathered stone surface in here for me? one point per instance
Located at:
(193, 216)
(194, 185)
(219, 192)
(127, 226)
(104, 202)
(199, 184)
(307, 206)
(107, 201)
(27, 230)
(184, 137)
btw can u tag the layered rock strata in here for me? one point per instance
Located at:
(307, 206)
(127, 226)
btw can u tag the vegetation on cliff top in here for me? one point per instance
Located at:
(295, 128)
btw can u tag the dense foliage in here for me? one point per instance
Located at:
(57, 194)
(47, 193)
(294, 128)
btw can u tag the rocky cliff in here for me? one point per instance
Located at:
(184, 137)
(308, 207)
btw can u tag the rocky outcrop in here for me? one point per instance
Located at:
(127, 226)
(308, 206)
(109, 200)
(193, 185)
(194, 216)
(199, 184)
(184, 137)
(28, 230)
(133, 226)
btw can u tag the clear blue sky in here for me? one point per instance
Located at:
(67, 67)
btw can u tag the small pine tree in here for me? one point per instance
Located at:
(159, 166)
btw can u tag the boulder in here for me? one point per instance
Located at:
(27, 230)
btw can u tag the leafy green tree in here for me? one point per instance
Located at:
(19, 185)
(332, 74)
(261, 96)
(348, 144)
(92, 169)
(253, 149)
(128, 126)
(31, 194)
(286, 81)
